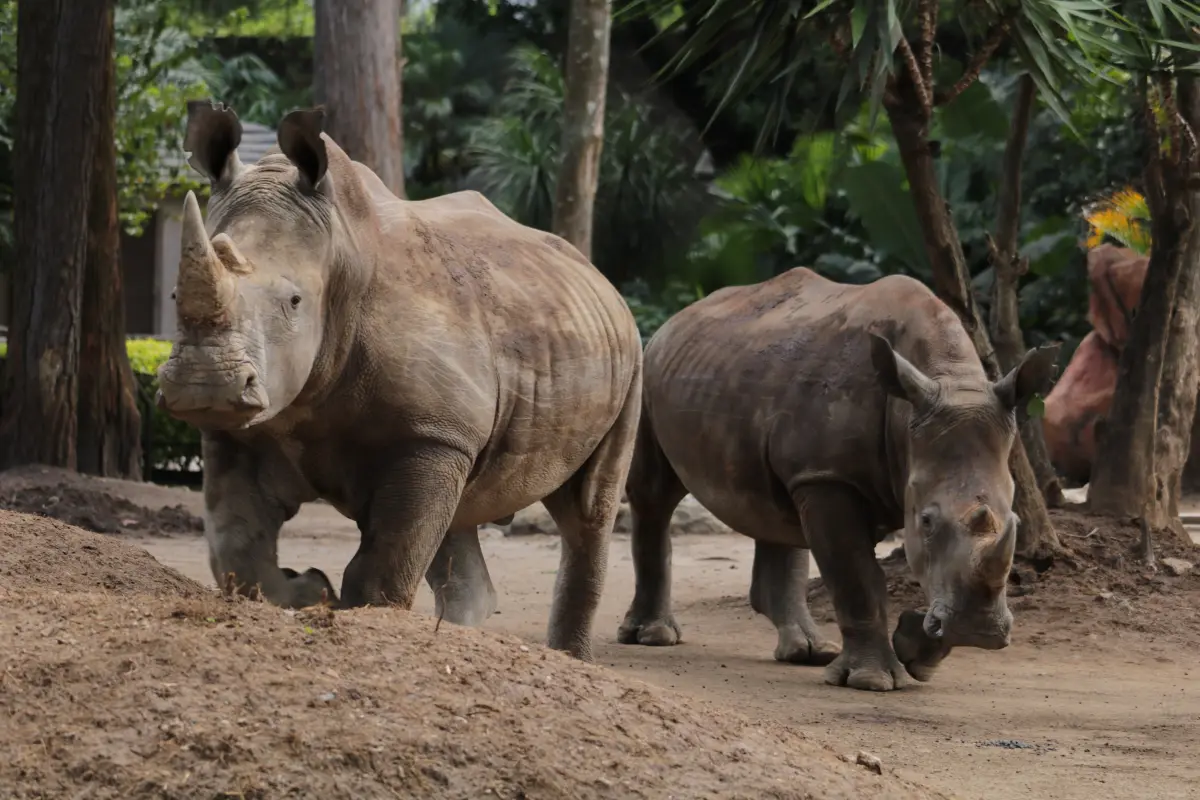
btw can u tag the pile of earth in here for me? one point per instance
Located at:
(89, 503)
(1102, 582)
(150, 686)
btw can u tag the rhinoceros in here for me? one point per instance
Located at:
(814, 415)
(425, 367)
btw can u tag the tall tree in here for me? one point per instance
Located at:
(109, 439)
(62, 47)
(583, 121)
(356, 76)
(1146, 437)
(1008, 267)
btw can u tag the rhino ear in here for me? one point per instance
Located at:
(300, 140)
(1032, 376)
(213, 135)
(898, 377)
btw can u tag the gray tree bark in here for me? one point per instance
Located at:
(583, 121)
(356, 76)
(62, 47)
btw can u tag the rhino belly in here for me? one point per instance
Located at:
(723, 466)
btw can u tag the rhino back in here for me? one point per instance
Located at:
(494, 338)
(757, 390)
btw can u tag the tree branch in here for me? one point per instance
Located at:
(928, 13)
(995, 36)
(918, 81)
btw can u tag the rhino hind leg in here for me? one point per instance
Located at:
(585, 509)
(458, 577)
(841, 539)
(654, 490)
(779, 591)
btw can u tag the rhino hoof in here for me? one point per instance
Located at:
(804, 651)
(867, 672)
(655, 633)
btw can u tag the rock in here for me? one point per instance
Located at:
(871, 762)
(1177, 566)
(690, 518)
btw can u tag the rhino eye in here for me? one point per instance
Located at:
(926, 519)
(295, 300)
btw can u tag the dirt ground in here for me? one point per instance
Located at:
(1099, 695)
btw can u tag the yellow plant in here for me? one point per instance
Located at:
(1122, 216)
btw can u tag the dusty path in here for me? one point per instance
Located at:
(1110, 714)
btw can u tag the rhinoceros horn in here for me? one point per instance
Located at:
(998, 554)
(205, 287)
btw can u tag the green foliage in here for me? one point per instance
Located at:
(647, 202)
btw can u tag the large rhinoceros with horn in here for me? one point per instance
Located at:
(425, 367)
(810, 414)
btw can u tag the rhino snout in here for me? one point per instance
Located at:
(988, 629)
(212, 398)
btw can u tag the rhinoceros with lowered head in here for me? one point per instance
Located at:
(806, 413)
(425, 367)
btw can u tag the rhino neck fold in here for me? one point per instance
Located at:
(897, 414)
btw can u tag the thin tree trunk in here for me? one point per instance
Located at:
(1181, 364)
(1124, 479)
(1036, 536)
(356, 76)
(583, 121)
(61, 51)
(109, 422)
(1008, 267)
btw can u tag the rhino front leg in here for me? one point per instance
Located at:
(779, 591)
(243, 515)
(654, 491)
(404, 524)
(462, 588)
(840, 537)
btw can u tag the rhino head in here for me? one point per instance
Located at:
(960, 532)
(252, 282)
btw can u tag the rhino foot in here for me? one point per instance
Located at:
(652, 632)
(870, 667)
(797, 647)
(920, 654)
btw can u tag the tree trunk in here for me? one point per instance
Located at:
(356, 76)
(1008, 267)
(1123, 480)
(583, 121)
(61, 51)
(109, 442)
(1036, 536)
(1181, 364)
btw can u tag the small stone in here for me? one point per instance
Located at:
(524, 648)
(1177, 566)
(328, 697)
(871, 762)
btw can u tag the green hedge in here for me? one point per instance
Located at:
(169, 443)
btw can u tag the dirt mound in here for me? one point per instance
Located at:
(1102, 583)
(199, 697)
(90, 503)
(40, 553)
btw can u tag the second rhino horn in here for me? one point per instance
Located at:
(205, 287)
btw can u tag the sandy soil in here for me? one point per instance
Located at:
(1099, 695)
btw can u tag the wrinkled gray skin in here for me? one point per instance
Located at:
(830, 416)
(425, 367)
